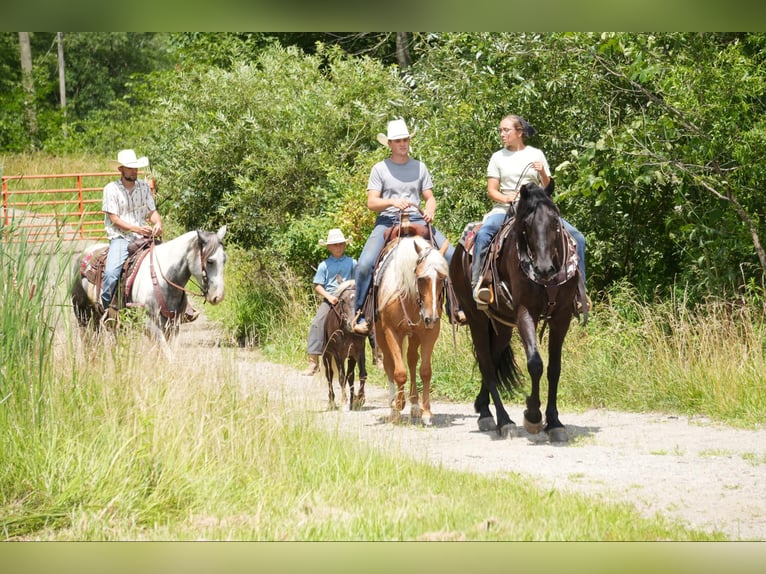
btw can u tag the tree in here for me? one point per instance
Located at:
(27, 82)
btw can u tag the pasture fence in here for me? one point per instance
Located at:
(55, 207)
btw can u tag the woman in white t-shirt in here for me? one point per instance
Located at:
(509, 168)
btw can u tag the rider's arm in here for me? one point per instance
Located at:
(430, 210)
(324, 294)
(494, 193)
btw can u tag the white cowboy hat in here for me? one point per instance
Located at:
(127, 158)
(333, 236)
(397, 130)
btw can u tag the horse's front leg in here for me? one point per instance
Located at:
(350, 379)
(533, 417)
(362, 364)
(327, 361)
(393, 364)
(557, 332)
(413, 354)
(156, 332)
(426, 372)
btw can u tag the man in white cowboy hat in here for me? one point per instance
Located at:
(397, 183)
(330, 273)
(128, 204)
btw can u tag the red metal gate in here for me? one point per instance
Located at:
(67, 206)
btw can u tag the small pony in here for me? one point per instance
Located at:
(158, 284)
(536, 278)
(344, 349)
(410, 296)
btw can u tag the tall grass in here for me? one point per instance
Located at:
(706, 359)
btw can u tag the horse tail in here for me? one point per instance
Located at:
(508, 373)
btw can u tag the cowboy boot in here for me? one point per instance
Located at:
(313, 367)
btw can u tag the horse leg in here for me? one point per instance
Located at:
(533, 417)
(393, 365)
(413, 352)
(426, 372)
(350, 380)
(327, 360)
(157, 334)
(359, 402)
(554, 427)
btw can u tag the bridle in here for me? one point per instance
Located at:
(205, 287)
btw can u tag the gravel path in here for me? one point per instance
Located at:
(705, 475)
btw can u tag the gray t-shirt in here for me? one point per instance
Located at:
(400, 180)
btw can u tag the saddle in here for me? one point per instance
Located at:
(501, 303)
(392, 236)
(92, 267)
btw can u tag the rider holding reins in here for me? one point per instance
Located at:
(509, 168)
(397, 184)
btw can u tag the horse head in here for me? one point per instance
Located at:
(431, 272)
(212, 259)
(346, 293)
(539, 232)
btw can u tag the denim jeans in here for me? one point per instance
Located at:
(365, 265)
(118, 253)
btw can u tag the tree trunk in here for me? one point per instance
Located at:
(62, 80)
(28, 84)
(403, 50)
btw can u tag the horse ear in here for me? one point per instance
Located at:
(221, 232)
(549, 188)
(444, 247)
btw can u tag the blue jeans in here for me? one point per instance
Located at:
(375, 242)
(580, 240)
(491, 226)
(118, 253)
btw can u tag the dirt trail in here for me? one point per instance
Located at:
(706, 475)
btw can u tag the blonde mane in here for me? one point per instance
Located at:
(399, 275)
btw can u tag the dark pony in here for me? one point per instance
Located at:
(535, 279)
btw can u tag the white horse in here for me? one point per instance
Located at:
(159, 284)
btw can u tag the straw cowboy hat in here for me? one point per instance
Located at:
(127, 158)
(333, 236)
(397, 130)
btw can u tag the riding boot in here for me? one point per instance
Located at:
(313, 366)
(190, 313)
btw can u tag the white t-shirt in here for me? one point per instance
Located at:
(131, 206)
(510, 167)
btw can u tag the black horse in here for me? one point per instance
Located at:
(535, 278)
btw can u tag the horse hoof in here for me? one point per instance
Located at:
(395, 415)
(558, 434)
(416, 412)
(532, 428)
(487, 424)
(426, 420)
(508, 431)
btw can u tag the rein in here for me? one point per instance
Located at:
(167, 313)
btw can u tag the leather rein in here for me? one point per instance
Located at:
(164, 311)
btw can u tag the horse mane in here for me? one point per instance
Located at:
(532, 195)
(399, 276)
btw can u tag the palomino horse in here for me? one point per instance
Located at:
(158, 284)
(410, 296)
(344, 349)
(538, 262)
